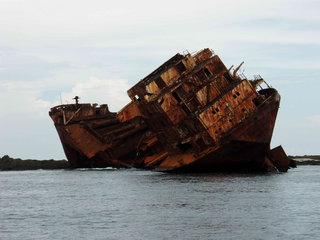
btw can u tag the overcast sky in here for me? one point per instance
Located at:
(97, 49)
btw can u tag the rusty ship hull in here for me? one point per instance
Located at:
(190, 114)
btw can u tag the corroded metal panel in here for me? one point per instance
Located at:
(84, 140)
(171, 107)
(216, 66)
(202, 95)
(203, 55)
(170, 76)
(130, 111)
(152, 88)
(230, 110)
(189, 62)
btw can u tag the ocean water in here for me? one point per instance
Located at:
(134, 204)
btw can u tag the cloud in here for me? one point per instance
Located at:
(102, 91)
(315, 120)
(142, 22)
(24, 122)
(22, 99)
(17, 65)
(25, 98)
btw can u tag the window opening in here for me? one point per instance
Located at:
(181, 67)
(216, 110)
(200, 75)
(160, 83)
(175, 95)
(256, 101)
(184, 146)
(207, 72)
(227, 76)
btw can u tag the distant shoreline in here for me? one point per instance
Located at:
(307, 159)
(7, 163)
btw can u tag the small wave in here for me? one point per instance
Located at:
(95, 169)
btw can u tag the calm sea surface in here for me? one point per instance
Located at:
(133, 204)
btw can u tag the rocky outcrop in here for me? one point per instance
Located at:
(8, 163)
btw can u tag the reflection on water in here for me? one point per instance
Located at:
(133, 204)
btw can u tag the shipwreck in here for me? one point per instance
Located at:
(190, 114)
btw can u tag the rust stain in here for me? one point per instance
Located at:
(190, 114)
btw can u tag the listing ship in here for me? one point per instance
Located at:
(192, 114)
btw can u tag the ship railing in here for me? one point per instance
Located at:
(265, 83)
(65, 121)
(196, 52)
(257, 77)
(258, 81)
(186, 52)
(242, 76)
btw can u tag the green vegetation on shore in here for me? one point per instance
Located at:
(8, 163)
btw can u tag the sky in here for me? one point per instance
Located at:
(51, 51)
